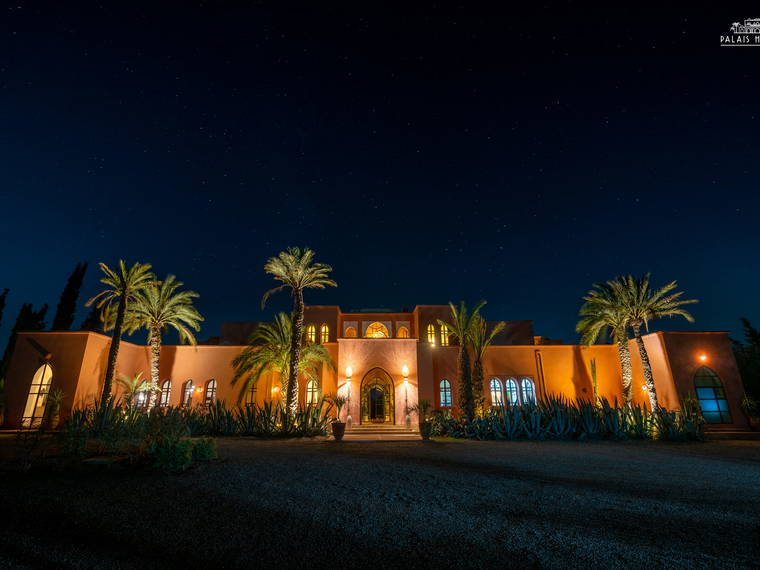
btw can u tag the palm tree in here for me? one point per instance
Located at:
(269, 350)
(460, 327)
(122, 286)
(481, 339)
(133, 385)
(160, 306)
(296, 269)
(642, 304)
(603, 315)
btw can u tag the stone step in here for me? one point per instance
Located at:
(735, 433)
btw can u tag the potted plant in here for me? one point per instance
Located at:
(338, 427)
(751, 409)
(55, 399)
(422, 408)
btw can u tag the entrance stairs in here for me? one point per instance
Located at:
(717, 433)
(380, 432)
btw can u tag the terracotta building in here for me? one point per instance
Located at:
(385, 362)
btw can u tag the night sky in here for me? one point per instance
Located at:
(427, 153)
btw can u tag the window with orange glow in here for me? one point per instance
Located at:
(402, 332)
(350, 332)
(312, 393)
(376, 330)
(431, 334)
(311, 334)
(324, 334)
(444, 335)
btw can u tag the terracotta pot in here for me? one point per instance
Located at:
(338, 430)
(425, 428)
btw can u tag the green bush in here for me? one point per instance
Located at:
(204, 449)
(172, 456)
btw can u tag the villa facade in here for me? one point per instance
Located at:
(385, 362)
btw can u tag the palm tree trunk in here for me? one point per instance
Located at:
(646, 367)
(625, 366)
(291, 401)
(155, 362)
(113, 352)
(465, 385)
(477, 385)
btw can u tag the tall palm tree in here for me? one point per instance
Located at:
(642, 304)
(269, 351)
(159, 306)
(603, 315)
(296, 269)
(122, 286)
(481, 339)
(460, 327)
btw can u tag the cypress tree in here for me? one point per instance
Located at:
(92, 321)
(3, 297)
(27, 320)
(67, 306)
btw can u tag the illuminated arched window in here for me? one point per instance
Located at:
(312, 393)
(444, 335)
(528, 391)
(376, 330)
(445, 393)
(350, 332)
(141, 398)
(497, 397)
(250, 395)
(311, 334)
(324, 334)
(166, 392)
(511, 386)
(34, 411)
(431, 334)
(711, 396)
(210, 397)
(187, 393)
(402, 332)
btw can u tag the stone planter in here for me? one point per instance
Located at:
(425, 428)
(338, 430)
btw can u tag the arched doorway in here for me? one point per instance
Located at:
(377, 398)
(711, 396)
(34, 411)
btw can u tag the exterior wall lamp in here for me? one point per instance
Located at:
(702, 357)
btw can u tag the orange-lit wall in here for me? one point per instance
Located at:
(78, 360)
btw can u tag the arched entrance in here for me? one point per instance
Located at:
(377, 401)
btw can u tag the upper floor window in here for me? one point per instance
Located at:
(528, 391)
(350, 332)
(512, 396)
(402, 332)
(497, 396)
(324, 334)
(376, 330)
(431, 334)
(166, 392)
(312, 392)
(311, 333)
(444, 335)
(210, 393)
(445, 393)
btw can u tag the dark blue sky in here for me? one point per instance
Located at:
(428, 154)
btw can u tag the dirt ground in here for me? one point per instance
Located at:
(412, 504)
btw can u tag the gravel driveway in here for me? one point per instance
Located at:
(445, 503)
